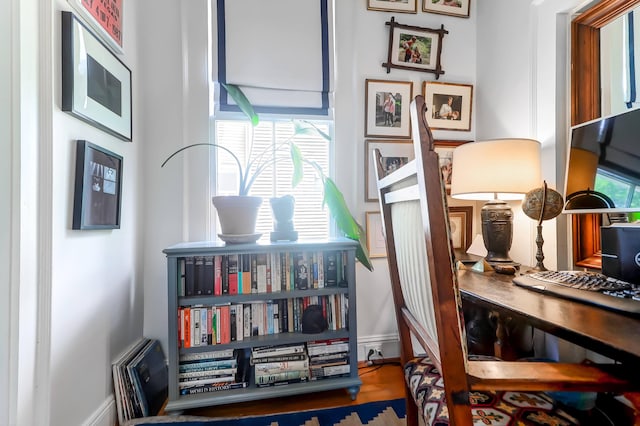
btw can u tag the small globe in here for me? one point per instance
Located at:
(532, 204)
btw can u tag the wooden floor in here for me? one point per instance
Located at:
(379, 383)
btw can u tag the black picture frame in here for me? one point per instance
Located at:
(425, 45)
(98, 187)
(96, 84)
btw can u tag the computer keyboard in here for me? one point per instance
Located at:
(587, 287)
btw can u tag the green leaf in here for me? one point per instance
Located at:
(238, 96)
(303, 127)
(297, 160)
(338, 208)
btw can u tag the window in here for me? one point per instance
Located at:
(624, 192)
(311, 220)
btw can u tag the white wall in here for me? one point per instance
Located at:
(96, 307)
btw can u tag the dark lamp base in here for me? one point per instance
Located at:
(497, 231)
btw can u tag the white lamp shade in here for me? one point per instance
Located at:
(505, 169)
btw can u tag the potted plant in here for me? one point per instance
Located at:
(256, 164)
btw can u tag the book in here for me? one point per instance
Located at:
(232, 273)
(187, 327)
(122, 389)
(246, 273)
(239, 324)
(262, 379)
(207, 373)
(199, 283)
(246, 320)
(209, 355)
(208, 279)
(225, 324)
(278, 366)
(224, 267)
(189, 276)
(217, 275)
(206, 365)
(330, 370)
(214, 388)
(279, 358)
(206, 381)
(283, 382)
(232, 323)
(261, 272)
(301, 271)
(271, 350)
(195, 326)
(331, 269)
(151, 373)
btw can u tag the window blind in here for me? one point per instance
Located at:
(311, 220)
(278, 52)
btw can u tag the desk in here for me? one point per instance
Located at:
(608, 333)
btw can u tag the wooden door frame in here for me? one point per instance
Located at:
(585, 106)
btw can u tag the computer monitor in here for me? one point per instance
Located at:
(603, 165)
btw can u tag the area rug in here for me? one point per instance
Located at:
(381, 413)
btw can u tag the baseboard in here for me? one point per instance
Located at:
(104, 415)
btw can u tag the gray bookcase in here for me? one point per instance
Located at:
(175, 284)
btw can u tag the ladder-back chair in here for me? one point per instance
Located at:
(446, 386)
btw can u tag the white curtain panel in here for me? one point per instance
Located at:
(278, 52)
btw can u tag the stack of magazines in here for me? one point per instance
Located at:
(280, 365)
(211, 371)
(140, 380)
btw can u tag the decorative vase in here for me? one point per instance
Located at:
(237, 213)
(283, 208)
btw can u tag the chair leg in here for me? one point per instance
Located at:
(412, 410)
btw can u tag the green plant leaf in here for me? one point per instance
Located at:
(238, 96)
(297, 160)
(303, 127)
(338, 208)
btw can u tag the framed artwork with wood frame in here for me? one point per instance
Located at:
(458, 8)
(449, 105)
(445, 148)
(402, 6)
(395, 154)
(585, 106)
(387, 108)
(461, 221)
(98, 188)
(375, 238)
(414, 48)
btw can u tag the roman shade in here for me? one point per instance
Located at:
(278, 52)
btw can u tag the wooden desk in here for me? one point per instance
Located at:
(608, 333)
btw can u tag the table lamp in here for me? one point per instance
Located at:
(496, 170)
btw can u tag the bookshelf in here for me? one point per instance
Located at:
(189, 265)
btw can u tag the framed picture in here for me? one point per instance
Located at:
(445, 152)
(98, 188)
(395, 154)
(402, 6)
(376, 243)
(96, 85)
(104, 17)
(449, 105)
(387, 108)
(414, 48)
(461, 221)
(447, 7)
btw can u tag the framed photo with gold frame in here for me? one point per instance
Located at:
(401, 6)
(449, 105)
(461, 221)
(376, 244)
(458, 8)
(387, 108)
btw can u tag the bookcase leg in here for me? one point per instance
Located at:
(353, 391)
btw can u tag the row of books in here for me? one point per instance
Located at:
(140, 380)
(212, 371)
(315, 360)
(261, 272)
(200, 325)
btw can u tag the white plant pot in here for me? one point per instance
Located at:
(237, 213)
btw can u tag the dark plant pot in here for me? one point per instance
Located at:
(237, 213)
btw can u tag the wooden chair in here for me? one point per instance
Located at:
(446, 386)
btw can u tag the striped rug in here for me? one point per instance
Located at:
(381, 413)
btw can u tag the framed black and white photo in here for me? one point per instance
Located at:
(458, 8)
(98, 188)
(96, 85)
(415, 48)
(445, 148)
(387, 108)
(376, 244)
(395, 154)
(449, 105)
(402, 6)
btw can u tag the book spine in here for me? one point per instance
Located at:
(232, 273)
(190, 276)
(217, 275)
(208, 276)
(213, 388)
(207, 373)
(199, 276)
(283, 382)
(266, 367)
(212, 355)
(225, 276)
(239, 324)
(262, 379)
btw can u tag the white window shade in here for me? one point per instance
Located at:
(278, 52)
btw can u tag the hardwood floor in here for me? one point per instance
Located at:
(379, 383)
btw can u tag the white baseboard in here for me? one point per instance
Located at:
(104, 415)
(389, 344)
